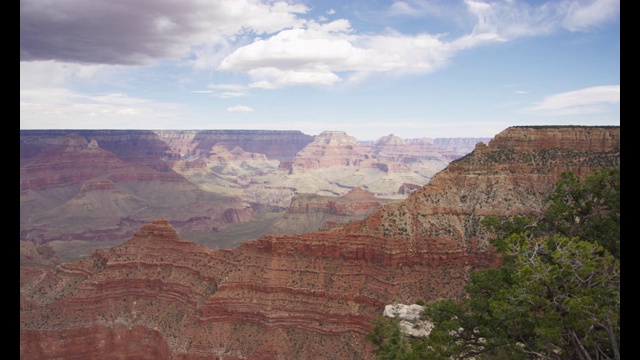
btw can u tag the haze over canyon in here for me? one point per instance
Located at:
(101, 185)
(262, 244)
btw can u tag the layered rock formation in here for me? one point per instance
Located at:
(335, 163)
(308, 296)
(97, 185)
(71, 188)
(311, 212)
(512, 175)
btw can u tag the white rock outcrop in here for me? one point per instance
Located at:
(410, 322)
(404, 312)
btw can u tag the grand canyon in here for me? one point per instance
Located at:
(217, 188)
(260, 244)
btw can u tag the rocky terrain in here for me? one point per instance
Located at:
(101, 185)
(311, 212)
(307, 296)
(512, 175)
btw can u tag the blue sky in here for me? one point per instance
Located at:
(412, 68)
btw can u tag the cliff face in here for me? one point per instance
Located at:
(95, 185)
(148, 144)
(335, 163)
(72, 188)
(278, 145)
(103, 184)
(296, 296)
(512, 175)
(310, 212)
(306, 296)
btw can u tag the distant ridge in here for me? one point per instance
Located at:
(297, 296)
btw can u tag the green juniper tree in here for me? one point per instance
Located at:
(556, 294)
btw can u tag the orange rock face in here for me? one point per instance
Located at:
(308, 296)
(512, 175)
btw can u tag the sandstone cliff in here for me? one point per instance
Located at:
(305, 296)
(72, 188)
(311, 212)
(99, 185)
(513, 174)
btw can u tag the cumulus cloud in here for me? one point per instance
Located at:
(137, 32)
(286, 49)
(239, 108)
(328, 53)
(317, 54)
(590, 100)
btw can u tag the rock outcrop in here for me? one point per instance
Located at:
(310, 212)
(73, 189)
(410, 319)
(513, 174)
(308, 296)
(95, 185)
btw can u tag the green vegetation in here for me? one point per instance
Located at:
(556, 294)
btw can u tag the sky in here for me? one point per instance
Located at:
(371, 68)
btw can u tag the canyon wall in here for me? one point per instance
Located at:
(308, 296)
(98, 185)
(513, 174)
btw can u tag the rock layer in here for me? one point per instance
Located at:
(308, 296)
(95, 185)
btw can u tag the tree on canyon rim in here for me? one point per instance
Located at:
(555, 295)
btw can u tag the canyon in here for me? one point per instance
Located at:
(282, 296)
(99, 186)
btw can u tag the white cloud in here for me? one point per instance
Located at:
(288, 49)
(138, 32)
(326, 53)
(594, 13)
(239, 108)
(513, 19)
(317, 54)
(590, 100)
(35, 74)
(59, 108)
(227, 91)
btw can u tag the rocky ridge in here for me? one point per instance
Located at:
(97, 185)
(310, 212)
(298, 296)
(513, 174)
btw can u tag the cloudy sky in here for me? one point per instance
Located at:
(413, 68)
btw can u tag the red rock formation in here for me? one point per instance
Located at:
(512, 175)
(279, 145)
(74, 189)
(336, 148)
(308, 296)
(331, 148)
(310, 212)
(102, 184)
